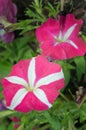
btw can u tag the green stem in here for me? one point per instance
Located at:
(62, 5)
(71, 125)
(64, 97)
(83, 100)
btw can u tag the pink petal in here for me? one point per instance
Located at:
(44, 68)
(49, 79)
(72, 51)
(21, 69)
(69, 21)
(16, 126)
(25, 105)
(31, 102)
(9, 90)
(40, 94)
(53, 51)
(17, 99)
(48, 30)
(15, 119)
(52, 90)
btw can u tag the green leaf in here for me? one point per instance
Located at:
(83, 112)
(10, 127)
(20, 127)
(54, 123)
(5, 68)
(29, 28)
(66, 69)
(31, 125)
(28, 54)
(21, 42)
(80, 66)
(82, 116)
(67, 76)
(84, 37)
(6, 113)
(2, 127)
(71, 124)
(52, 9)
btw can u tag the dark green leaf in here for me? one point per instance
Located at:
(80, 66)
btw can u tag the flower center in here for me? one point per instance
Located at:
(59, 40)
(30, 89)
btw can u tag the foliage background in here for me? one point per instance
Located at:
(69, 110)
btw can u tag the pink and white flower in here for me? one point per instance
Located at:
(33, 85)
(59, 39)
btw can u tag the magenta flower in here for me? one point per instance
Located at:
(59, 39)
(8, 11)
(33, 85)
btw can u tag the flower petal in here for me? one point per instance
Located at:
(49, 79)
(48, 30)
(17, 99)
(73, 51)
(17, 80)
(72, 43)
(31, 72)
(55, 52)
(68, 21)
(40, 94)
(60, 35)
(8, 37)
(69, 32)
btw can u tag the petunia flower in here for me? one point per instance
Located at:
(33, 85)
(59, 39)
(8, 11)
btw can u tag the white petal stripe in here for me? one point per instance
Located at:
(40, 94)
(49, 79)
(17, 99)
(69, 31)
(17, 80)
(31, 72)
(72, 43)
(60, 35)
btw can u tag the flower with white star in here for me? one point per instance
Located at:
(59, 39)
(33, 85)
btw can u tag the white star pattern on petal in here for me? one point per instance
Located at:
(39, 93)
(65, 38)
